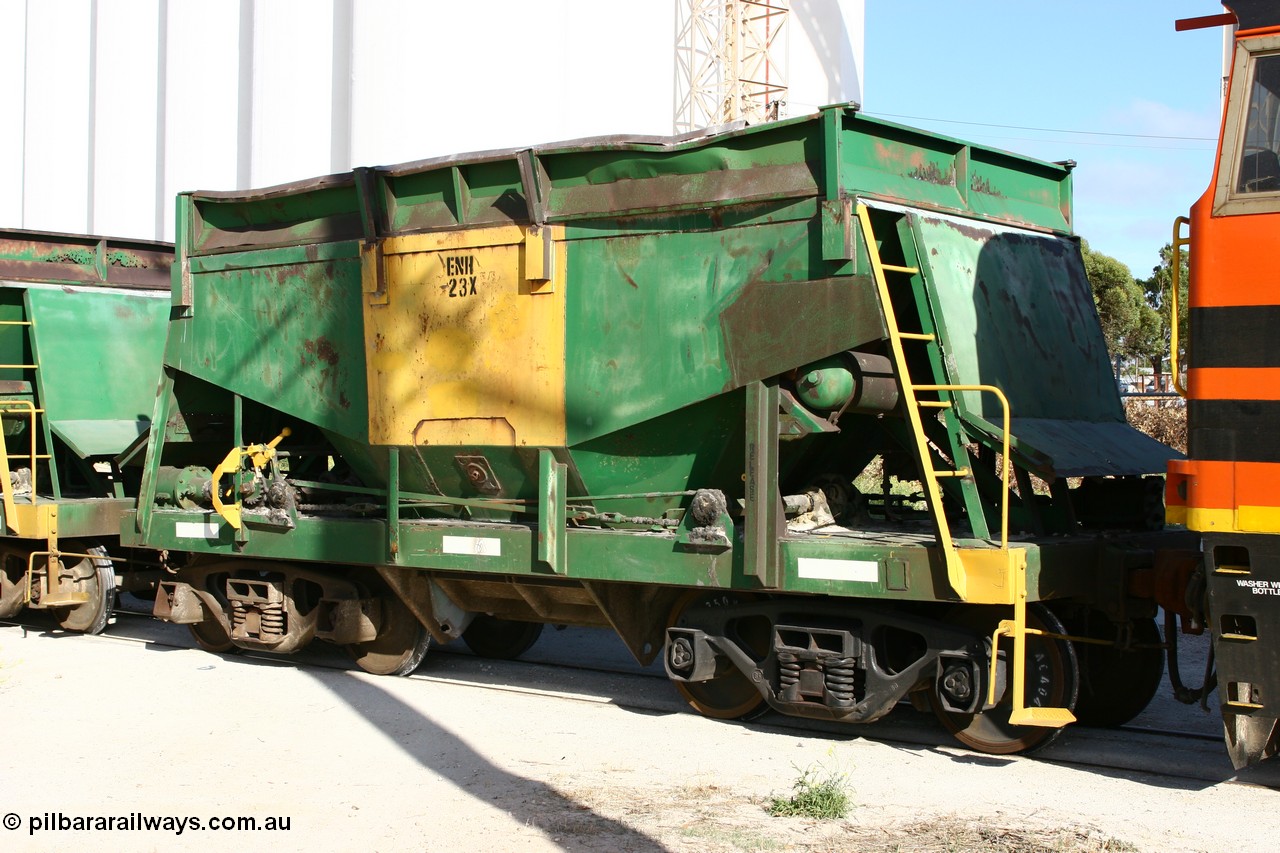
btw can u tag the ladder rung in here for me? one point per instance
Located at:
(916, 336)
(933, 404)
(15, 322)
(1231, 570)
(28, 456)
(1251, 705)
(19, 367)
(21, 410)
(895, 268)
(1244, 637)
(959, 472)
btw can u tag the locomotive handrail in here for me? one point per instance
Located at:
(1175, 273)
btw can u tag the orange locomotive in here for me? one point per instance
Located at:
(1229, 487)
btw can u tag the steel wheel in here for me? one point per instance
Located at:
(400, 646)
(98, 579)
(211, 636)
(13, 582)
(1115, 684)
(729, 696)
(501, 639)
(1052, 677)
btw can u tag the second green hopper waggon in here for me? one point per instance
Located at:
(82, 329)
(813, 410)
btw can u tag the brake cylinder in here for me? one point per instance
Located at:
(852, 381)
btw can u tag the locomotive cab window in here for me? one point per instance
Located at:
(1259, 161)
(1249, 174)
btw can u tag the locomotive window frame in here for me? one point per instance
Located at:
(1229, 197)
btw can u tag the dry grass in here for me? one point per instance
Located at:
(962, 835)
(1164, 420)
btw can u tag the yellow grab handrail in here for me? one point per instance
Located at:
(55, 558)
(6, 484)
(1004, 448)
(1175, 273)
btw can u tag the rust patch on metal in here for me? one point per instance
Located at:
(980, 184)
(930, 173)
(330, 377)
(665, 192)
(774, 326)
(980, 235)
(322, 348)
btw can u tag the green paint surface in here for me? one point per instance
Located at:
(99, 355)
(290, 335)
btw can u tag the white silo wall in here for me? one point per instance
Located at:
(121, 104)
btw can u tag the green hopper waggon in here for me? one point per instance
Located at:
(819, 411)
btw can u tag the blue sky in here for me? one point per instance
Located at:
(1105, 67)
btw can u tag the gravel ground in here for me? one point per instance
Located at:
(100, 727)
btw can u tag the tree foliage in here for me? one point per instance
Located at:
(1157, 290)
(1129, 322)
(1135, 312)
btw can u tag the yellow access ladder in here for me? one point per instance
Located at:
(15, 522)
(985, 575)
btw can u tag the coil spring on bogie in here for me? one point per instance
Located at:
(841, 676)
(788, 671)
(271, 620)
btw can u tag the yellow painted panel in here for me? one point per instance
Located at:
(1244, 519)
(1258, 519)
(466, 350)
(988, 577)
(493, 432)
(35, 521)
(1216, 520)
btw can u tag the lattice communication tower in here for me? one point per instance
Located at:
(730, 62)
